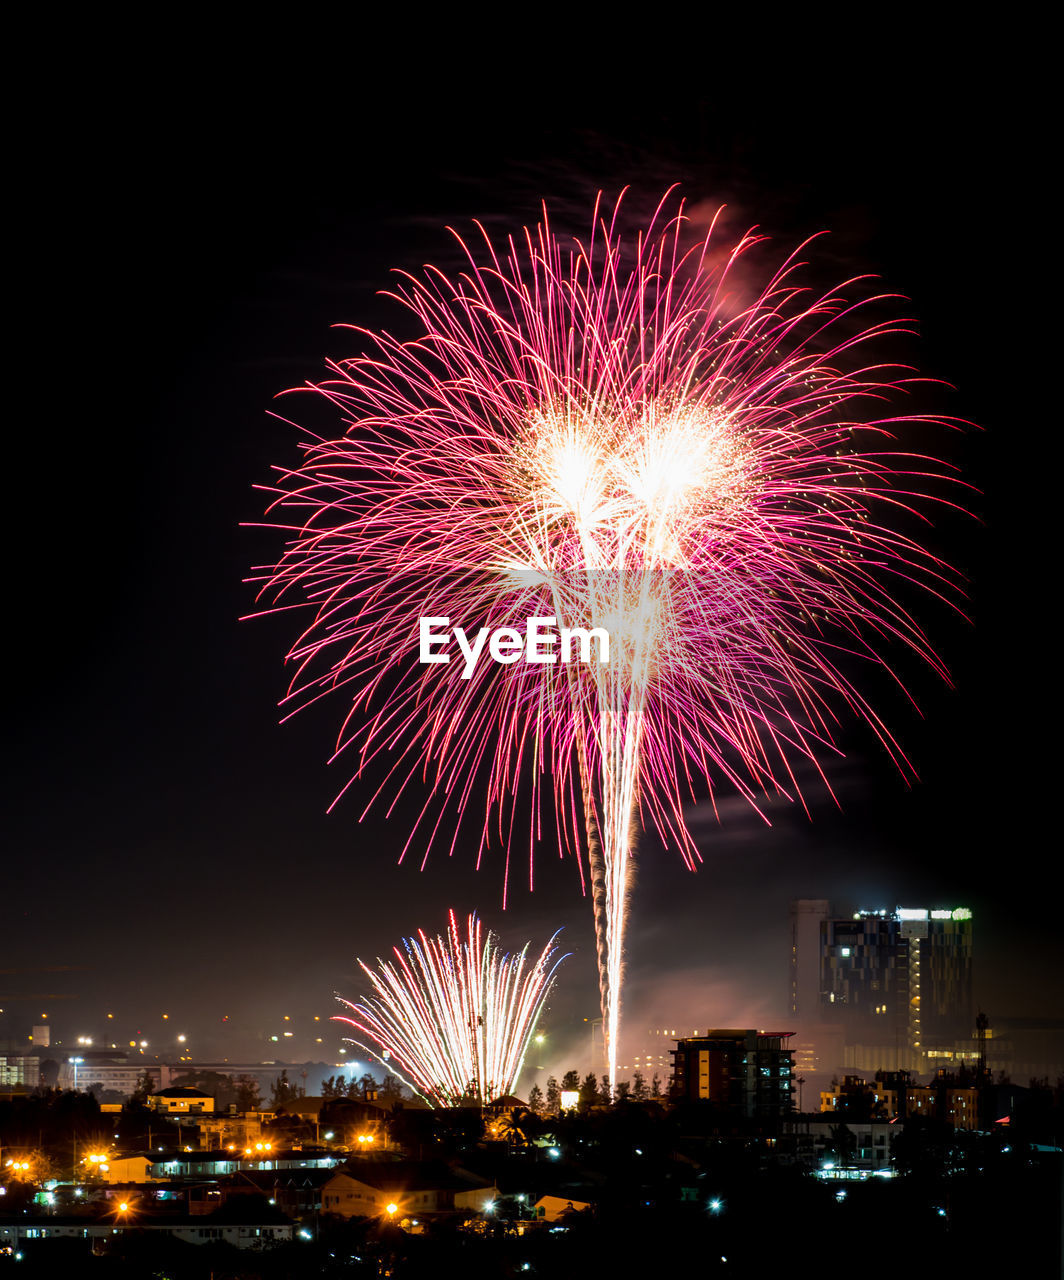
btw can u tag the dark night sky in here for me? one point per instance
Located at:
(188, 247)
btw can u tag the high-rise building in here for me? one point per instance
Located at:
(748, 1072)
(942, 999)
(807, 915)
(864, 976)
(897, 985)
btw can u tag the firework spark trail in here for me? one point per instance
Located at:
(607, 437)
(454, 1018)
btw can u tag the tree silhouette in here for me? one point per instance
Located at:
(282, 1091)
(247, 1093)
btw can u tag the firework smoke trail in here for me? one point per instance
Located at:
(453, 1017)
(609, 436)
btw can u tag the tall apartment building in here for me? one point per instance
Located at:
(807, 914)
(749, 1072)
(865, 976)
(896, 985)
(941, 944)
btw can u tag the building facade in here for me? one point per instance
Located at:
(20, 1069)
(893, 987)
(748, 1072)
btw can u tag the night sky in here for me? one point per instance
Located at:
(188, 246)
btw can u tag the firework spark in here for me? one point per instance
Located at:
(607, 436)
(454, 1018)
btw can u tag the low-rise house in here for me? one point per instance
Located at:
(232, 1130)
(161, 1167)
(553, 1208)
(181, 1100)
(864, 1144)
(246, 1222)
(122, 1169)
(402, 1189)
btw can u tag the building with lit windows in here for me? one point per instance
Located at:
(20, 1069)
(748, 1072)
(951, 1099)
(653, 1057)
(883, 1098)
(893, 989)
(108, 1071)
(180, 1100)
(864, 976)
(840, 1152)
(940, 943)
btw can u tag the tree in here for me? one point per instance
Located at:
(282, 1091)
(217, 1083)
(554, 1096)
(605, 1095)
(247, 1093)
(145, 1087)
(571, 1080)
(288, 1130)
(623, 1091)
(640, 1093)
(390, 1090)
(535, 1100)
(364, 1088)
(655, 1086)
(333, 1088)
(589, 1090)
(843, 1142)
(509, 1127)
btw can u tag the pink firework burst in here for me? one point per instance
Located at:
(606, 435)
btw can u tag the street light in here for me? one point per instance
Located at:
(76, 1063)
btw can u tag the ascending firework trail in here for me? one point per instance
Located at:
(606, 436)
